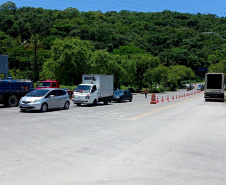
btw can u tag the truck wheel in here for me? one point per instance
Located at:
(12, 101)
(44, 107)
(66, 105)
(95, 102)
(105, 101)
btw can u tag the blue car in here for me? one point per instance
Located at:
(121, 96)
(200, 87)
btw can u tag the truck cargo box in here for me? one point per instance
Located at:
(103, 82)
(214, 86)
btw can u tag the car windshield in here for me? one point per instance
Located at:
(83, 88)
(44, 84)
(118, 92)
(38, 93)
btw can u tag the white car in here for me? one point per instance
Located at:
(44, 99)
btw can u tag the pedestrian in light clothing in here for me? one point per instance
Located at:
(146, 92)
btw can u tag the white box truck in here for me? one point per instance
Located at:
(214, 86)
(94, 88)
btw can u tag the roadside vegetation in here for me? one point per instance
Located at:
(141, 50)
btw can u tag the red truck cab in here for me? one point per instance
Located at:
(52, 84)
(48, 84)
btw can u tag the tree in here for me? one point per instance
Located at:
(6, 43)
(103, 62)
(69, 60)
(129, 67)
(47, 70)
(128, 50)
(8, 6)
(99, 62)
(160, 75)
(218, 55)
(218, 68)
(179, 73)
(143, 63)
(175, 56)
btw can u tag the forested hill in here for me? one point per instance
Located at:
(172, 38)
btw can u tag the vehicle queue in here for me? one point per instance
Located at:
(94, 89)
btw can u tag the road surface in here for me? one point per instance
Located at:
(181, 141)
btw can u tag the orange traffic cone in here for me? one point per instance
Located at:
(157, 100)
(168, 98)
(162, 99)
(173, 97)
(153, 99)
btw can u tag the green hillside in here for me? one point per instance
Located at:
(140, 49)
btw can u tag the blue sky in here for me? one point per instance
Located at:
(217, 7)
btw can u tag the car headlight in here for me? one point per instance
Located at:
(35, 101)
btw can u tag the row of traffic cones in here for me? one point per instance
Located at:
(155, 99)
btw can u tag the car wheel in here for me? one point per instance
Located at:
(121, 100)
(44, 107)
(105, 101)
(95, 102)
(12, 101)
(66, 105)
(130, 100)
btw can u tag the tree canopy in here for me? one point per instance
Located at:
(134, 46)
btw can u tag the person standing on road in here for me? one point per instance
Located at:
(146, 92)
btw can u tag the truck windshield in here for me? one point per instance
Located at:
(38, 93)
(83, 88)
(44, 84)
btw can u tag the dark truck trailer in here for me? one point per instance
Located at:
(11, 90)
(214, 86)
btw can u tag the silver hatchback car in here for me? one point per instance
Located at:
(44, 99)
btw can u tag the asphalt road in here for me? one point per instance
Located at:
(180, 141)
